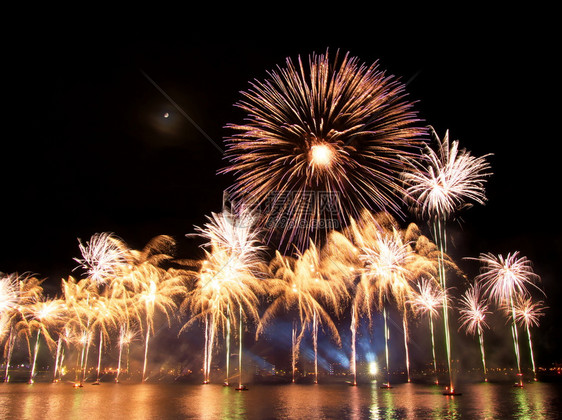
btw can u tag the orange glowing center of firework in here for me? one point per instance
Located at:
(321, 154)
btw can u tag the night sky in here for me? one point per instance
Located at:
(87, 148)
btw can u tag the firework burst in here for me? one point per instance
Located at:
(17, 304)
(9, 293)
(9, 300)
(446, 179)
(39, 317)
(157, 295)
(126, 336)
(473, 309)
(527, 313)
(429, 300)
(388, 265)
(299, 284)
(227, 284)
(505, 279)
(383, 260)
(320, 142)
(102, 257)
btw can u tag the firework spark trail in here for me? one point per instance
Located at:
(107, 316)
(85, 319)
(431, 329)
(206, 350)
(341, 266)
(64, 338)
(57, 358)
(240, 341)
(17, 293)
(388, 259)
(483, 356)
(353, 328)
(77, 298)
(337, 127)
(104, 259)
(386, 338)
(11, 342)
(9, 293)
(78, 367)
(527, 313)
(122, 333)
(505, 279)
(472, 310)
(294, 350)
(386, 265)
(444, 181)
(67, 337)
(226, 381)
(439, 233)
(405, 329)
(228, 277)
(210, 348)
(149, 287)
(35, 352)
(98, 370)
(125, 337)
(299, 284)
(315, 344)
(429, 300)
(149, 301)
(80, 359)
(515, 336)
(87, 339)
(41, 316)
(9, 299)
(159, 289)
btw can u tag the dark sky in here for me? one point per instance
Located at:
(87, 149)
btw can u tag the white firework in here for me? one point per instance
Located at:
(445, 179)
(103, 256)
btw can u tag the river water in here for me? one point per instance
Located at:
(286, 401)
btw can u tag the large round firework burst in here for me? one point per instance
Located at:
(319, 143)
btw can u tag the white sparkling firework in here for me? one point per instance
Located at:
(505, 278)
(9, 292)
(103, 256)
(429, 298)
(446, 179)
(227, 287)
(473, 309)
(528, 311)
